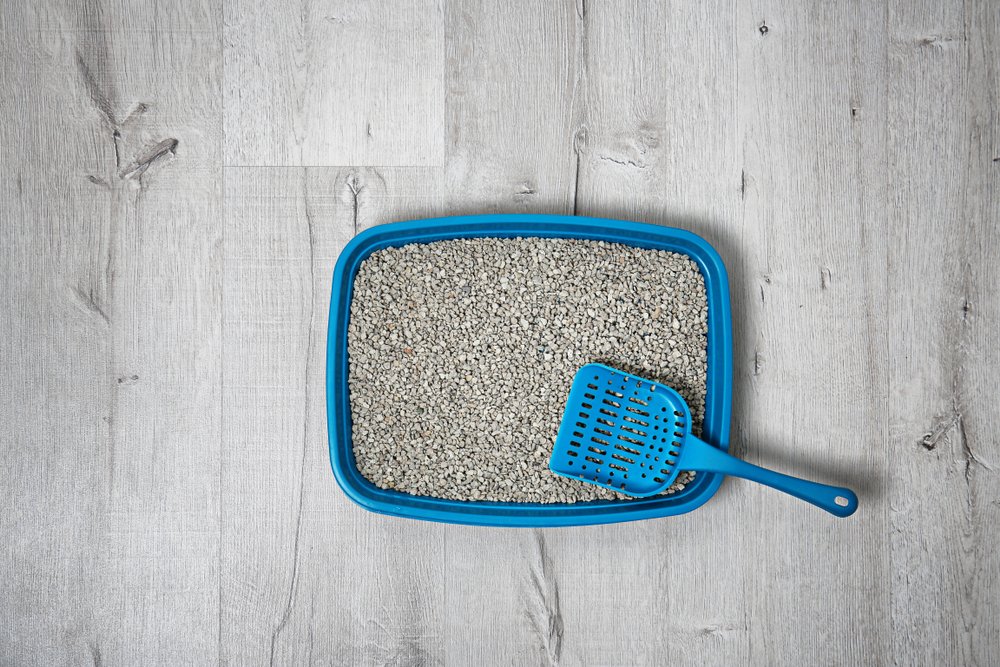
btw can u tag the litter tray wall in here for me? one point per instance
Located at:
(718, 399)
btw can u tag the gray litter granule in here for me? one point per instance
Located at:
(462, 354)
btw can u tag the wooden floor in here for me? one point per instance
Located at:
(178, 179)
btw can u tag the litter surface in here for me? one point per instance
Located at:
(462, 353)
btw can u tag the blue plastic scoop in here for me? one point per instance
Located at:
(634, 436)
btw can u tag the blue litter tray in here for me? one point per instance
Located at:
(718, 403)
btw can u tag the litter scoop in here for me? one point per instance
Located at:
(634, 436)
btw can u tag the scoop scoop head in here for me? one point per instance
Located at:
(621, 432)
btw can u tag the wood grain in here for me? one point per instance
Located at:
(337, 82)
(179, 181)
(814, 351)
(306, 576)
(943, 275)
(111, 384)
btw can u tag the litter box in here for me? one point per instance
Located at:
(718, 399)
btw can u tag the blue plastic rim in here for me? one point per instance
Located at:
(718, 400)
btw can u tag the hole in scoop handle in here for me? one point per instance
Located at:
(699, 455)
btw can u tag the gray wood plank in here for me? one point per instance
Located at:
(512, 80)
(943, 280)
(658, 144)
(512, 83)
(306, 575)
(110, 371)
(812, 349)
(335, 82)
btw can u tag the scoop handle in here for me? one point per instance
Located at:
(699, 455)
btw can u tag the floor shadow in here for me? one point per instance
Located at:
(869, 487)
